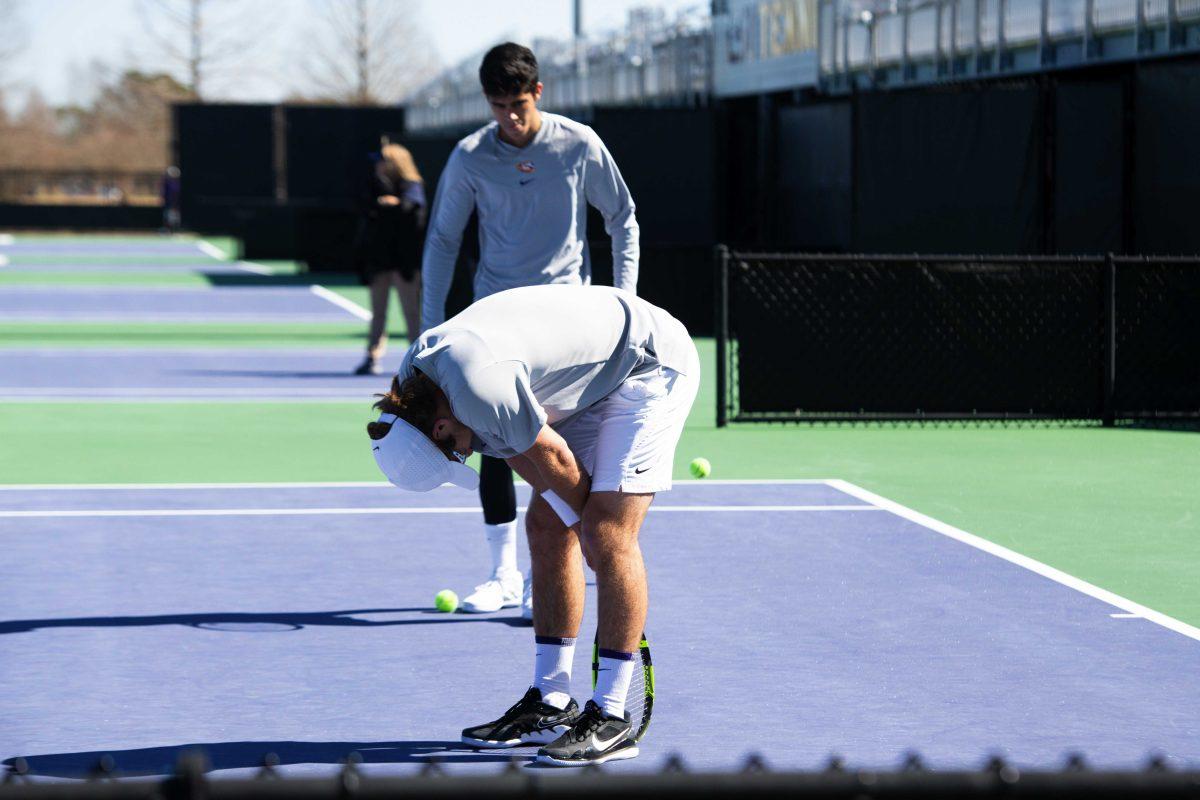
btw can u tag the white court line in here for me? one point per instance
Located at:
(257, 269)
(311, 512)
(196, 391)
(7, 239)
(160, 351)
(164, 401)
(1033, 565)
(212, 251)
(340, 302)
(3, 261)
(183, 318)
(1126, 616)
(87, 487)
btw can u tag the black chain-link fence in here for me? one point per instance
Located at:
(861, 338)
(911, 780)
(1157, 338)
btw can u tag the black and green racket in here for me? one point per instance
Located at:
(639, 702)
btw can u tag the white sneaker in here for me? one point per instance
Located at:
(502, 590)
(527, 600)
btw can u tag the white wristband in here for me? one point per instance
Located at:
(564, 511)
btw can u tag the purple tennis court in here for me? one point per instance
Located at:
(134, 257)
(95, 247)
(793, 619)
(200, 266)
(165, 373)
(169, 304)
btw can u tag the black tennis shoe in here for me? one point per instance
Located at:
(368, 367)
(530, 721)
(595, 738)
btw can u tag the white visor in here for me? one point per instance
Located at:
(410, 459)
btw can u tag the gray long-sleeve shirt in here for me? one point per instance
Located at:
(538, 355)
(532, 205)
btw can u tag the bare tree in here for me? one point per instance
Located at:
(365, 51)
(202, 37)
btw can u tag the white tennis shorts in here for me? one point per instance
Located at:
(627, 441)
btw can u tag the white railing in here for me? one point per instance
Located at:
(858, 34)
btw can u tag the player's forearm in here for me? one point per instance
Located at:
(563, 476)
(557, 469)
(447, 220)
(606, 190)
(626, 252)
(437, 272)
(525, 468)
(528, 472)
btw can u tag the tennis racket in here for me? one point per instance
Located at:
(639, 702)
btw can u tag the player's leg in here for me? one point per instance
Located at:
(546, 711)
(380, 286)
(557, 567)
(609, 537)
(558, 579)
(408, 287)
(634, 453)
(611, 523)
(503, 588)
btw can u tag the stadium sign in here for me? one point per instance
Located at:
(764, 45)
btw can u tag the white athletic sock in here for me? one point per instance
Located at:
(502, 539)
(612, 681)
(552, 669)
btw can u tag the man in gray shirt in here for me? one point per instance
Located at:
(530, 176)
(584, 390)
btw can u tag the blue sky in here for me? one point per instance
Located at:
(65, 37)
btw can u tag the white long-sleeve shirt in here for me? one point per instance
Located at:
(532, 204)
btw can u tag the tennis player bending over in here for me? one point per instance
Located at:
(584, 390)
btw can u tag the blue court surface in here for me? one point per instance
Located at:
(253, 304)
(99, 247)
(96, 254)
(792, 619)
(200, 265)
(189, 373)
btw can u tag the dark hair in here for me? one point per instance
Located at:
(508, 69)
(415, 401)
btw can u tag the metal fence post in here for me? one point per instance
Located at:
(1108, 409)
(722, 321)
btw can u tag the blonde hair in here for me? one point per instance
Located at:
(399, 163)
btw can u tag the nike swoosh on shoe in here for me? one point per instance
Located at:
(601, 744)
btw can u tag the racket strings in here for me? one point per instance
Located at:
(638, 701)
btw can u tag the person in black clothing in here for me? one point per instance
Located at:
(169, 189)
(395, 227)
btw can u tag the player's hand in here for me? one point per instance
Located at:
(389, 200)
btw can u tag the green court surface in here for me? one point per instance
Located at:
(183, 334)
(1115, 507)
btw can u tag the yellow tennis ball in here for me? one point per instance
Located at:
(700, 467)
(446, 600)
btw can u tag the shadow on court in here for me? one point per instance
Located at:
(264, 373)
(251, 279)
(248, 755)
(266, 622)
